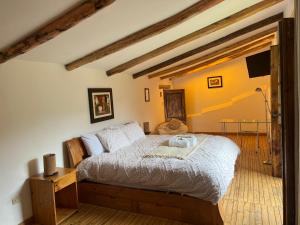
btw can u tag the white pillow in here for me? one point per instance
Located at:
(92, 144)
(113, 139)
(133, 131)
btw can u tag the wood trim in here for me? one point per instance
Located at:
(54, 28)
(297, 25)
(245, 30)
(290, 113)
(275, 127)
(145, 33)
(220, 59)
(261, 36)
(168, 205)
(164, 86)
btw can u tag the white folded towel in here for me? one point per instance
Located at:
(183, 141)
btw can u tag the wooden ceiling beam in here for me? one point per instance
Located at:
(243, 31)
(54, 28)
(145, 33)
(195, 35)
(262, 35)
(222, 58)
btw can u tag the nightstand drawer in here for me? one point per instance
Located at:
(60, 184)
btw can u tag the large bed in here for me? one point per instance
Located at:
(187, 190)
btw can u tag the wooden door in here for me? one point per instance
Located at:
(174, 103)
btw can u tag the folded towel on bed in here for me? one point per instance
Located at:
(175, 152)
(183, 141)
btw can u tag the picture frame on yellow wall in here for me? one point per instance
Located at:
(215, 82)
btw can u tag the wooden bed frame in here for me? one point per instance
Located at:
(156, 203)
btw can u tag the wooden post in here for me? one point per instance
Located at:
(290, 117)
(275, 126)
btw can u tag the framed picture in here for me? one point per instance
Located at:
(101, 104)
(215, 82)
(147, 94)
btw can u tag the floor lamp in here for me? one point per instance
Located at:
(267, 110)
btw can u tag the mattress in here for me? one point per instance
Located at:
(205, 174)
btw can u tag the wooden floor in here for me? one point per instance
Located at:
(254, 197)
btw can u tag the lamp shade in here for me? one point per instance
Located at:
(146, 126)
(49, 164)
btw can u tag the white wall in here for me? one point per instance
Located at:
(42, 105)
(236, 100)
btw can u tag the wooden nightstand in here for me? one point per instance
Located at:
(54, 198)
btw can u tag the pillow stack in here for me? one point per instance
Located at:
(112, 139)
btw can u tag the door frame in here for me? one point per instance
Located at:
(290, 117)
(297, 68)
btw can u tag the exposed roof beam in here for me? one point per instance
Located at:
(54, 28)
(215, 43)
(195, 35)
(222, 58)
(207, 65)
(145, 33)
(261, 35)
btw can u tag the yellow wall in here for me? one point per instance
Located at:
(236, 100)
(41, 106)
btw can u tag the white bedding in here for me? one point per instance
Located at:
(205, 174)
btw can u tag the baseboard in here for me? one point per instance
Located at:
(228, 133)
(28, 221)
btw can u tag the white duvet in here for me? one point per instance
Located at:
(205, 174)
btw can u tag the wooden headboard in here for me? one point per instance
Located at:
(76, 151)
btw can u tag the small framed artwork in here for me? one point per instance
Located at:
(215, 82)
(147, 94)
(101, 104)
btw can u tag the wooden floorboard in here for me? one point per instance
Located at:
(253, 198)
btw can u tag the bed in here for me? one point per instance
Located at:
(185, 190)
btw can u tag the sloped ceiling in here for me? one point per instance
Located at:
(18, 18)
